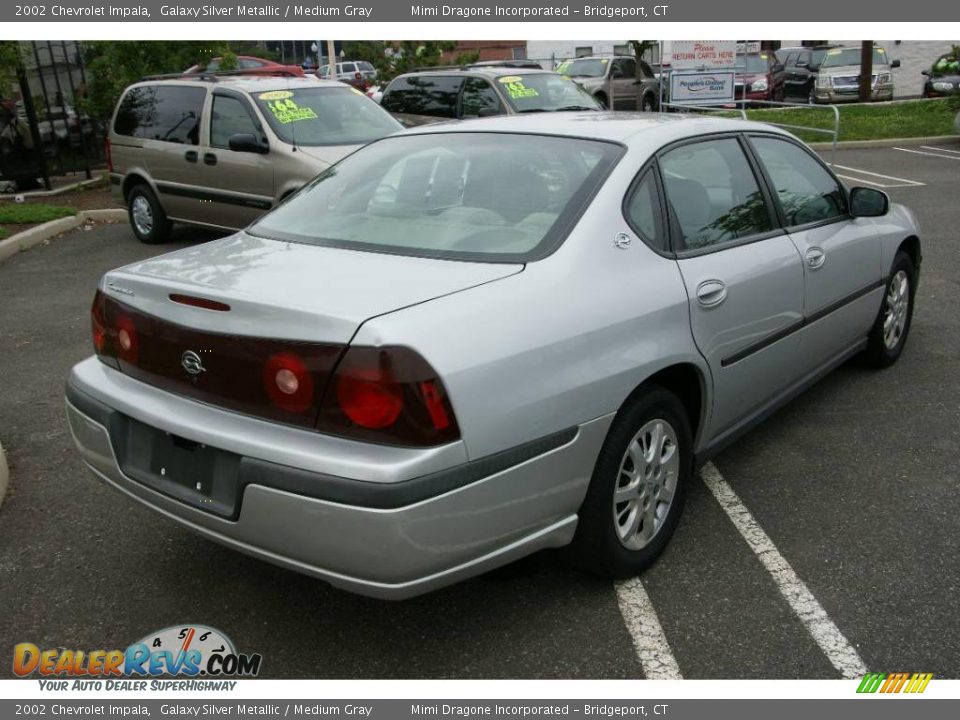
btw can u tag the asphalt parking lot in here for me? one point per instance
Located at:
(855, 484)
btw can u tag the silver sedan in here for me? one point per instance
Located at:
(466, 343)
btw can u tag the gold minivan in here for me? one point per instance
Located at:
(219, 151)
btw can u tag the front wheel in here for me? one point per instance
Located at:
(638, 488)
(889, 333)
(649, 104)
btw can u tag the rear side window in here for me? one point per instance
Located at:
(434, 95)
(349, 68)
(807, 192)
(713, 194)
(176, 114)
(135, 111)
(643, 212)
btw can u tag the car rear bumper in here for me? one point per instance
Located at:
(385, 538)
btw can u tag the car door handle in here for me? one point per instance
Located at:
(190, 156)
(711, 293)
(209, 159)
(816, 257)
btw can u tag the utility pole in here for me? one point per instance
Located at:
(331, 55)
(866, 70)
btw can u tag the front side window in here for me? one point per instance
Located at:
(807, 192)
(176, 114)
(479, 98)
(324, 116)
(713, 194)
(495, 197)
(230, 117)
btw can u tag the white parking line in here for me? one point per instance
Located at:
(940, 149)
(642, 623)
(899, 181)
(929, 154)
(831, 641)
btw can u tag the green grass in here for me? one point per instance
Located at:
(3, 233)
(32, 213)
(920, 118)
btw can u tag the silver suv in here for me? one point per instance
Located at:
(838, 76)
(219, 151)
(614, 82)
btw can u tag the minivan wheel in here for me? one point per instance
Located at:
(602, 99)
(638, 488)
(889, 333)
(147, 218)
(648, 103)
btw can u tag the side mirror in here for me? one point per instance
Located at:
(867, 202)
(247, 142)
(895, 64)
(925, 73)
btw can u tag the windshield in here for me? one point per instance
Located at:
(325, 116)
(480, 196)
(840, 57)
(544, 91)
(752, 64)
(596, 67)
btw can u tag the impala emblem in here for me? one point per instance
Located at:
(191, 363)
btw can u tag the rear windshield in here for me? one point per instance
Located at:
(325, 116)
(480, 196)
(596, 67)
(839, 57)
(535, 92)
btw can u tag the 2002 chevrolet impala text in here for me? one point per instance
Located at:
(465, 343)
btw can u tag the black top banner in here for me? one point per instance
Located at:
(476, 11)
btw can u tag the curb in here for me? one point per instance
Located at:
(4, 475)
(887, 142)
(57, 191)
(36, 235)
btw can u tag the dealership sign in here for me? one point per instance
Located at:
(703, 54)
(701, 88)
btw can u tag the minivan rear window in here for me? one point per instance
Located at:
(170, 113)
(325, 116)
(433, 95)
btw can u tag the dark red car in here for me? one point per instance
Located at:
(248, 65)
(760, 76)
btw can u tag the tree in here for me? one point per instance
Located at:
(866, 70)
(113, 65)
(396, 58)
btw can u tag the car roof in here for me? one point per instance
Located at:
(620, 127)
(248, 83)
(485, 70)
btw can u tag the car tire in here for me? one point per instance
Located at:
(888, 336)
(147, 218)
(624, 522)
(602, 99)
(812, 96)
(648, 104)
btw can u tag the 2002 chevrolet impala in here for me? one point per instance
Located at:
(465, 343)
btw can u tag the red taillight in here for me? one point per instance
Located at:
(106, 151)
(128, 345)
(288, 382)
(370, 402)
(389, 395)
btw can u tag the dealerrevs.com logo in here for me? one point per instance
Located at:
(189, 651)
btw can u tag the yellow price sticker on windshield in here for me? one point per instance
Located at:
(287, 111)
(515, 88)
(275, 95)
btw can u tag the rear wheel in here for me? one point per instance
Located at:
(648, 103)
(602, 99)
(638, 488)
(889, 333)
(147, 218)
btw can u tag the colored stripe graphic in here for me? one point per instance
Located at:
(894, 682)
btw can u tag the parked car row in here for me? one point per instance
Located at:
(831, 73)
